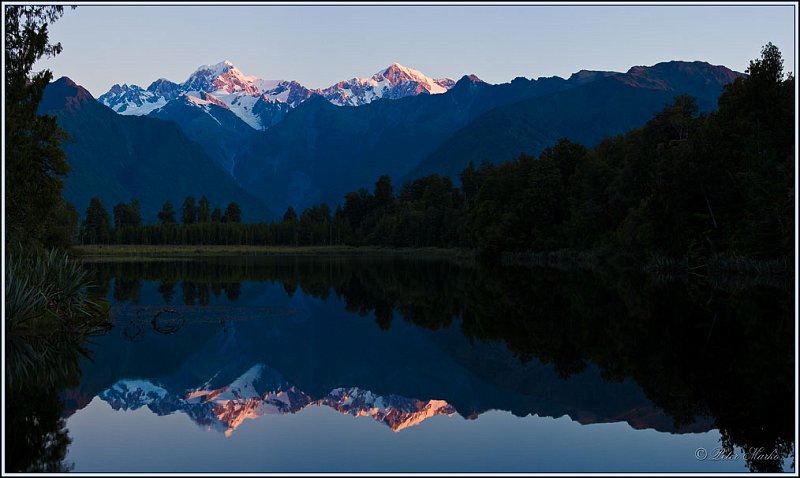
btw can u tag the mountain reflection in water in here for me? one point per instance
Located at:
(224, 340)
(226, 408)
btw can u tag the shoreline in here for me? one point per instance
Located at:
(721, 264)
(100, 252)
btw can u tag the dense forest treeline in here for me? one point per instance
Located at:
(684, 184)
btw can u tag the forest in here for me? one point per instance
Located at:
(683, 185)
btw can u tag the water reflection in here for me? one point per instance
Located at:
(224, 340)
(260, 391)
(38, 366)
(36, 436)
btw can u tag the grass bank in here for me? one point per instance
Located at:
(101, 252)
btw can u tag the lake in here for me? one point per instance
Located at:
(331, 364)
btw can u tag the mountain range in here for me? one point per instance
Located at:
(275, 143)
(252, 98)
(120, 158)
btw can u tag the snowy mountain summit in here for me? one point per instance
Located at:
(252, 99)
(396, 81)
(256, 101)
(223, 78)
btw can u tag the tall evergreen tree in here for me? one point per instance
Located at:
(167, 215)
(203, 210)
(127, 215)
(135, 211)
(289, 215)
(216, 215)
(97, 225)
(233, 213)
(384, 192)
(119, 214)
(35, 163)
(189, 211)
(469, 182)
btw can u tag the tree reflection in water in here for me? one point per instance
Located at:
(720, 348)
(38, 367)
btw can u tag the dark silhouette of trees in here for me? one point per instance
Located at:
(96, 228)
(189, 211)
(216, 215)
(289, 215)
(233, 213)
(127, 222)
(127, 215)
(167, 214)
(203, 210)
(35, 164)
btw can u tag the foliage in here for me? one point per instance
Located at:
(203, 210)
(35, 163)
(45, 290)
(167, 214)
(96, 228)
(40, 439)
(127, 215)
(189, 211)
(233, 213)
(216, 215)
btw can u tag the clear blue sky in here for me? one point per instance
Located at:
(320, 45)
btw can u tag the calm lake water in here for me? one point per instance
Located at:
(258, 364)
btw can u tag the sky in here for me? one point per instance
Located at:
(319, 45)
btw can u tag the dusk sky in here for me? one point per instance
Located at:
(320, 45)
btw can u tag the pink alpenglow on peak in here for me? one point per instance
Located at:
(245, 95)
(394, 82)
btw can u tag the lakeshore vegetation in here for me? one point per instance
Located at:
(49, 303)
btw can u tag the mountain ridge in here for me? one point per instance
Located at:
(318, 153)
(119, 158)
(317, 150)
(229, 85)
(621, 102)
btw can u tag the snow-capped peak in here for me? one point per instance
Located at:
(221, 77)
(396, 73)
(393, 82)
(213, 70)
(256, 101)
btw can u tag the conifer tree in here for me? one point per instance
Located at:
(189, 211)
(35, 163)
(167, 215)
